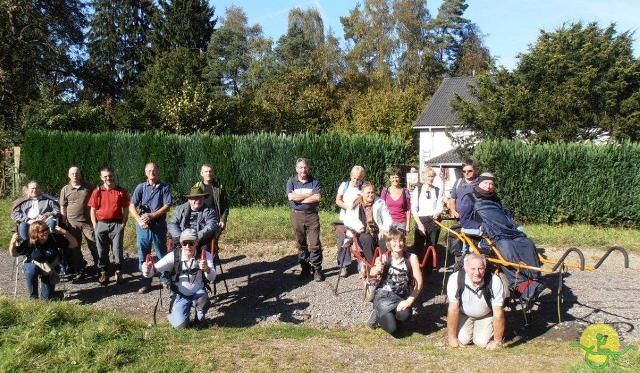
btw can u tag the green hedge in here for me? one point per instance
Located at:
(566, 183)
(253, 168)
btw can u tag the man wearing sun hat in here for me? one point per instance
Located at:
(195, 215)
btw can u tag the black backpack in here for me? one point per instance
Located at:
(487, 290)
(177, 269)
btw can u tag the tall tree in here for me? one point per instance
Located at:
(473, 56)
(118, 47)
(448, 27)
(576, 83)
(417, 64)
(368, 31)
(38, 41)
(183, 24)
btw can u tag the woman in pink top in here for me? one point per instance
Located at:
(398, 200)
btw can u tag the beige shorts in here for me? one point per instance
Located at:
(478, 331)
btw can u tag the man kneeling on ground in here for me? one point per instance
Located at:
(186, 267)
(475, 305)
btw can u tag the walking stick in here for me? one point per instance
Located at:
(214, 253)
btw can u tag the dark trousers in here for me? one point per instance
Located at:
(420, 241)
(368, 243)
(306, 228)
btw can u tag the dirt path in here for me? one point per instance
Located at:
(263, 288)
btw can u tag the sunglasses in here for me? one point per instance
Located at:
(188, 243)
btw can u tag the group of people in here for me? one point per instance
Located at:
(50, 231)
(476, 295)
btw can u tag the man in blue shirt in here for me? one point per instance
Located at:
(150, 202)
(303, 192)
(462, 187)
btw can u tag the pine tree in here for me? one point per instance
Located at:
(118, 47)
(183, 24)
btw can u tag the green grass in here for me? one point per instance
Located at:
(57, 336)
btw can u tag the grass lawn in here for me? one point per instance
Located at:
(63, 337)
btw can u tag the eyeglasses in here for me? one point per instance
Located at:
(188, 243)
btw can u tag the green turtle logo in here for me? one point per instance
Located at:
(600, 344)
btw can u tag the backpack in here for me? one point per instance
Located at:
(386, 264)
(406, 200)
(177, 269)
(487, 290)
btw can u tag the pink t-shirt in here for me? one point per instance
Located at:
(397, 207)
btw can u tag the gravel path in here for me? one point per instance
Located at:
(264, 288)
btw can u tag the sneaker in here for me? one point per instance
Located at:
(104, 278)
(144, 290)
(318, 276)
(118, 277)
(372, 323)
(344, 273)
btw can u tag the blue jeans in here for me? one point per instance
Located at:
(23, 229)
(181, 309)
(145, 238)
(31, 274)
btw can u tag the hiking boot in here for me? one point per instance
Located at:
(118, 277)
(144, 290)
(372, 323)
(344, 273)
(318, 276)
(104, 278)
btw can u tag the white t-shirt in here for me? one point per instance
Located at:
(423, 206)
(349, 194)
(474, 304)
(187, 283)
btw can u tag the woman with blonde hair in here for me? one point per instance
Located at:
(426, 207)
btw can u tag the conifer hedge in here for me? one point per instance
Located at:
(566, 183)
(252, 168)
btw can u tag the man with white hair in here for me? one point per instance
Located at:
(475, 311)
(74, 208)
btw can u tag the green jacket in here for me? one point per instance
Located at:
(217, 198)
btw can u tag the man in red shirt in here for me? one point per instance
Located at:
(109, 205)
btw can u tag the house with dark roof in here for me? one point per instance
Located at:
(435, 147)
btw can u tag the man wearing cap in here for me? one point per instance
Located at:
(194, 215)
(109, 213)
(485, 186)
(186, 268)
(75, 213)
(303, 192)
(150, 202)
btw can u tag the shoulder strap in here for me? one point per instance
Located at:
(487, 290)
(383, 194)
(437, 191)
(460, 286)
(177, 264)
(345, 187)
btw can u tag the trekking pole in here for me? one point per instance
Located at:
(215, 249)
(14, 275)
(444, 265)
(149, 260)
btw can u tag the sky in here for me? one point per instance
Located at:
(509, 26)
